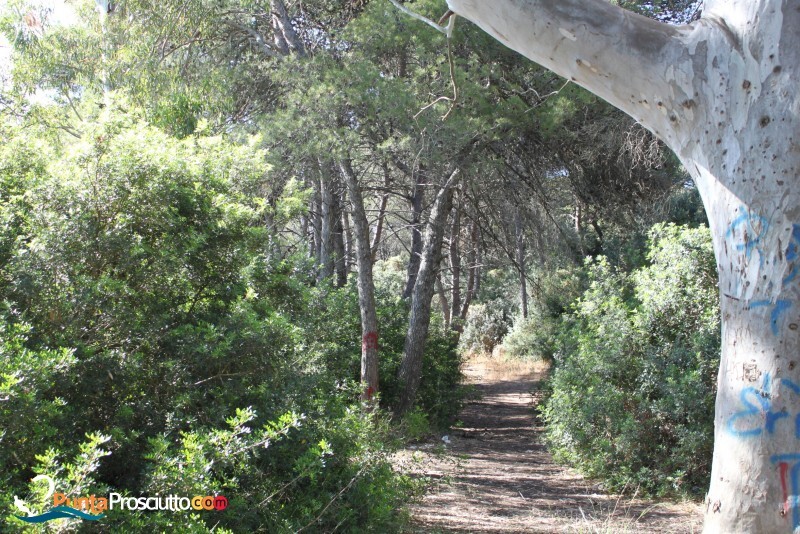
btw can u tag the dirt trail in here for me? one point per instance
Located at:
(496, 475)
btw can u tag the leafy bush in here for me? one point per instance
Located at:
(138, 274)
(634, 380)
(485, 327)
(535, 338)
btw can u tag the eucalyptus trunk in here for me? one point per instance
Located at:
(722, 93)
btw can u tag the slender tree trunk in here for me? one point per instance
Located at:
(417, 203)
(455, 265)
(443, 301)
(474, 271)
(327, 221)
(366, 286)
(316, 223)
(286, 38)
(376, 240)
(347, 234)
(304, 231)
(523, 284)
(410, 372)
(578, 221)
(339, 252)
(722, 93)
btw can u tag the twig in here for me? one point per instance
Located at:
(341, 492)
(443, 29)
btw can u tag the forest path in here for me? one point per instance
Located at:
(496, 475)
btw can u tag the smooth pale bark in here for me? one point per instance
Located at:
(366, 286)
(410, 372)
(722, 93)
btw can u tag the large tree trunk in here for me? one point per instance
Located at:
(722, 93)
(366, 287)
(411, 365)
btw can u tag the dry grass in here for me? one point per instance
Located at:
(495, 474)
(497, 367)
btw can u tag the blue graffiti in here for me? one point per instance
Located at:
(792, 254)
(757, 416)
(751, 237)
(778, 309)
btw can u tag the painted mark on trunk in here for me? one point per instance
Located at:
(757, 416)
(789, 472)
(746, 227)
(369, 341)
(746, 232)
(783, 470)
(779, 308)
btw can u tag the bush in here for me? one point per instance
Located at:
(138, 274)
(485, 327)
(634, 381)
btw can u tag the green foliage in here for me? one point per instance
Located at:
(485, 328)
(332, 328)
(536, 338)
(633, 385)
(138, 273)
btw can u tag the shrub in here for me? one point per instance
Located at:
(634, 382)
(485, 327)
(139, 275)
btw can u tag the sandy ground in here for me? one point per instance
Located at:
(495, 474)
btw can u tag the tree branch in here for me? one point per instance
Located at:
(637, 64)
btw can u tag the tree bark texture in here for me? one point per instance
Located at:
(722, 93)
(410, 372)
(417, 203)
(376, 239)
(366, 286)
(285, 38)
(339, 251)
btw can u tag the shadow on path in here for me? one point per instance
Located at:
(497, 476)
